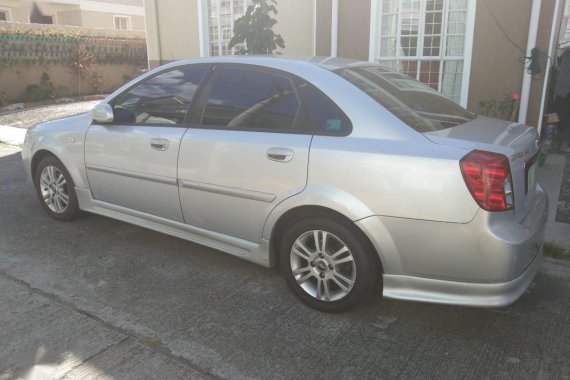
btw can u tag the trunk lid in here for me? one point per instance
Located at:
(518, 142)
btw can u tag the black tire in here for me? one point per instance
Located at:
(71, 210)
(366, 271)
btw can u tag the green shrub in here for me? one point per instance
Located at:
(44, 90)
(501, 109)
(97, 82)
(62, 91)
(32, 93)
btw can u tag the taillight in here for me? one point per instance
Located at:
(488, 177)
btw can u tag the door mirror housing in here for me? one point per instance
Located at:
(102, 113)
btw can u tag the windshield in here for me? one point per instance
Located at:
(416, 104)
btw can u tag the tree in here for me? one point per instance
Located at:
(255, 28)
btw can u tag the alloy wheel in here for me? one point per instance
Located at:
(54, 190)
(323, 265)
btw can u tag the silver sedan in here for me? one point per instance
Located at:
(350, 176)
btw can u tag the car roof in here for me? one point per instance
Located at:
(329, 63)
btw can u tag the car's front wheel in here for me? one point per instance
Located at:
(327, 264)
(55, 189)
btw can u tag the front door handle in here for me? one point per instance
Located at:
(280, 154)
(159, 144)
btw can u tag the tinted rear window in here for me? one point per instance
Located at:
(416, 104)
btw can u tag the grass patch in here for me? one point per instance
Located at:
(556, 251)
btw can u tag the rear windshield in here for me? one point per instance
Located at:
(416, 104)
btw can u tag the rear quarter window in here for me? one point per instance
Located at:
(327, 118)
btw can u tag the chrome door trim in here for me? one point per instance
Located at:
(126, 173)
(231, 191)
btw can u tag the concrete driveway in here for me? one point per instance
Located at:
(28, 117)
(101, 298)
(13, 125)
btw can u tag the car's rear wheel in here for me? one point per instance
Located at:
(55, 189)
(327, 264)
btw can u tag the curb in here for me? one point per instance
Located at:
(25, 105)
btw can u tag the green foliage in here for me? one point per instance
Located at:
(556, 251)
(32, 93)
(44, 90)
(23, 46)
(97, 82)
(80, 64)
(3, 99)
(255, 28)
(501, 109)
(62, 91)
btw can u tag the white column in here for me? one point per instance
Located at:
(551, 53)
(314, 27)
(334, 29)
(468, 55)
(374, 23)
(153, 7)
(203, 29)
(531, 43)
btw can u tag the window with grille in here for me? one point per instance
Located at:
(122, 22)
(3, 15)
(424, 39)
(221, 17)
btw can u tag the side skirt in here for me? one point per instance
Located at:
(255, 252)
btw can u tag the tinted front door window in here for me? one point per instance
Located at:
(163, 99)
(245, 98)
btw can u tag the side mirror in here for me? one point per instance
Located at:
(102, 113)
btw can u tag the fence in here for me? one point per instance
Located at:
(81, 60)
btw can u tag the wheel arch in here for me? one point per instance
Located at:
(38, 157)
(298, 213)
(63, 156)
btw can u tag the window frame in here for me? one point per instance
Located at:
(302, 124)
(189, 111)
(7, 12)
(376, 34)
(215, 47)
(124, 17)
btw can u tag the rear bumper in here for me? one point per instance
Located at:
(459, 293)
(489, 261)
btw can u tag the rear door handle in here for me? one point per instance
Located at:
(159, 144)
(280, 154)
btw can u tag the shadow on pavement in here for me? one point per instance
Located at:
(563, 210)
